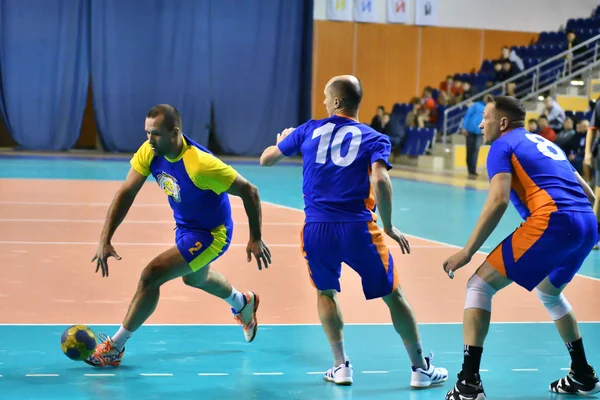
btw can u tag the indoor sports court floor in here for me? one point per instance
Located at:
(51, 213)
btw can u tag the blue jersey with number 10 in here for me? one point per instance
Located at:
(337, 155)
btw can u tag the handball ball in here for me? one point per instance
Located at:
(78, 342)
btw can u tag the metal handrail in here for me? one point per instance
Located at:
(521, 77)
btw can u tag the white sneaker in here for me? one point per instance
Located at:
(340, 375)
(421, 378)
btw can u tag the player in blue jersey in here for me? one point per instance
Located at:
(197, 185)
(340, 155)
(544, 253)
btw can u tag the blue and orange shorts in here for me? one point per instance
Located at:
(201, 247)
(552, 246)
(360, 245)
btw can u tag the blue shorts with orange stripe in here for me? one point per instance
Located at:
(201, 247)
(325, 245)
(552, 246)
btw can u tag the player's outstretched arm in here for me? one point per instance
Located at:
(586, 188)
(493, 210)
(382, 189)
(116, 213)
(272, 154)
(249, 195)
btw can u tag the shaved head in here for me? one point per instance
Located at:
(343, 94)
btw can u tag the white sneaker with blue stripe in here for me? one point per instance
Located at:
(422, 378)
(340, 375)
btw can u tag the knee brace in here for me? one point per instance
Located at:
(479, 294)
(557, 306)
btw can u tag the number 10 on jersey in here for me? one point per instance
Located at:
(325, 133)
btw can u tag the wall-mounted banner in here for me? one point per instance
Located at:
(426, 12)
(340, 10)
(365, 10)
(397, 11)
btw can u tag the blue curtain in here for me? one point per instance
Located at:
(44, 71)
(146, 53)
(260, 70)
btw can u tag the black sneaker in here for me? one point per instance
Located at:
(467, 390)
(586, 384)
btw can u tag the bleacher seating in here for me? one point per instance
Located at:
(417, 141)
(547, 45)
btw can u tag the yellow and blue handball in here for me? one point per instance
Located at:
(78, 342)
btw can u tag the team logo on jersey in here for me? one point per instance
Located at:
(169, 185)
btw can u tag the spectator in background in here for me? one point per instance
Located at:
(429, 107)
(377, 121)
(545, 130)
(563, 138)
(467, 91)
(470, 128)
(447, 85)
(532, 126)
(513, 58)
(384, 124)
(510, 89)
(573, 41)
(417, 116)
(555, 114)
(575, 147)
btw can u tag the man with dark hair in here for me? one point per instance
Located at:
(340, 154)
(470, 128)
(544, 253)
(170, 116)
(197, 185)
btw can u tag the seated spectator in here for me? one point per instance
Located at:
(384, 123)
(565, 136)
(510, 89)
(575, 147)
(417, 116)
(430, 107)
(554, 112)
(533, 126)
(376, 122)
(467, 91)
(511, 56)
(545, 130)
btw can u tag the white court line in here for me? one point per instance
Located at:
(374, 372)
(565, 369)
(81, 204)
(524, 369)
(69, 323)
(233, 206)
(315, 373)
(484, 370)
(141, 222)
(213, 374)
(156, 374)
(267, 373)
(99, 375)
(419, 237)
(41, 375)
(167, 244)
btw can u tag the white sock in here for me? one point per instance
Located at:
(415, 353)
(237, 300)
(339, 355)
(121, 337)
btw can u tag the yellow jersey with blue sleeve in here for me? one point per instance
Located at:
(195, 184)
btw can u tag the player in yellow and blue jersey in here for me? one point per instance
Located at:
(544, 253)
(340, 155)
(197, 185)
